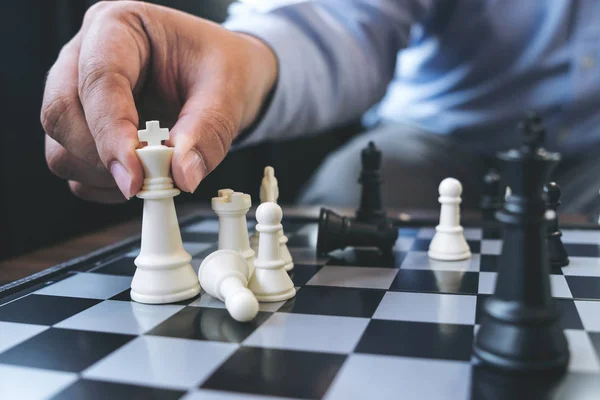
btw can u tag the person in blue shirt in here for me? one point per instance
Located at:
(443, 84)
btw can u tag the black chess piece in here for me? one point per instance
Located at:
(370, 210)
(493, 195)
(520, 329)
(337, 232)
(557, 254)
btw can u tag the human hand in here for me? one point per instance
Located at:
(131, 61)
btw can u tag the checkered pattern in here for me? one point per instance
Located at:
(361, 326)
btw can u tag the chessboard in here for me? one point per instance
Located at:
(361, 326)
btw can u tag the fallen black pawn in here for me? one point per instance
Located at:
(337, 232)
(557, 254)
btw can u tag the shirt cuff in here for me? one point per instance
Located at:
(278, 34)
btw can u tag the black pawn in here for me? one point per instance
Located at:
(493, 195)
(370, 209)
(520, 328)
(557, 254)
(337, 232)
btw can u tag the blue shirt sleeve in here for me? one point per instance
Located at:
(336, 58)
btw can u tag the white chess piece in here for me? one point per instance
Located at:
(449, 243)
(224, 274)
(270, 282)
(164, 273)
(269, 191)
(231, 207)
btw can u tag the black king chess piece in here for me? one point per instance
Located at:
(370, 209)
(493, 195)
(520, 328)
(557, 253)
(337, 232)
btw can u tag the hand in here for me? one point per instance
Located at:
(132, 57)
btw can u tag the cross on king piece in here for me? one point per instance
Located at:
(153, 134)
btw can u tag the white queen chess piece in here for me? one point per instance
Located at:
(449, 243)
(231, 208)
(224, 274)
(270, 282)
(269, 191)
(164, 273)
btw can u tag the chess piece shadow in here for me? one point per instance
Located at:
(491, 384)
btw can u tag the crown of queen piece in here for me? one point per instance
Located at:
(230, 201)
(153, 134)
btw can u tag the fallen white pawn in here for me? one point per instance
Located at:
(224, 274)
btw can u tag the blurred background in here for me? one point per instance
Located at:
(36, 208)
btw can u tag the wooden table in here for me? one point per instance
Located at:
(20, 267)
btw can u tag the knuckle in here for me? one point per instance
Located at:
(112, 9)
(222, 126)
(79, 190)
(54, 109)
(57, 162)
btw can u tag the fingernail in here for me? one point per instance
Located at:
(193, 169)
(122, 178)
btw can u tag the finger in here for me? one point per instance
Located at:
(202, 137)
(62, 114)
(113, 54)
(96, 194)
(65, 165)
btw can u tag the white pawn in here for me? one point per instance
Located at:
(224, 275)
(449, 243)
(270, 281)
(269, 191)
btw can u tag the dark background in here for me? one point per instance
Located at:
(36, 208)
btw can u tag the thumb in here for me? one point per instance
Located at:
(201, 137)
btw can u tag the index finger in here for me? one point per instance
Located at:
(110, 64)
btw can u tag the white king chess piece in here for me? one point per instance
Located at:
(270, 282)
(449, 243)
(269, 191)
(164, 273)
(231, 208)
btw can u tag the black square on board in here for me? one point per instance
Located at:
(44, 310)
(64, 349)
(328, 300)
(569, 317)
(488, 263)
(582, 250)
(204, 323)
(364, 257)
(271, 372)
(417, 339)
(492, 233)
(428, 281)
(99, 390)
(302, 273)
(595, 338)
(584, 287)
(200, 237)
(122, 266)
(481, 299)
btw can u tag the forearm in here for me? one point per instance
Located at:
(335, 60)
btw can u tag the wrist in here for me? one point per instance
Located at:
(264, 72)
